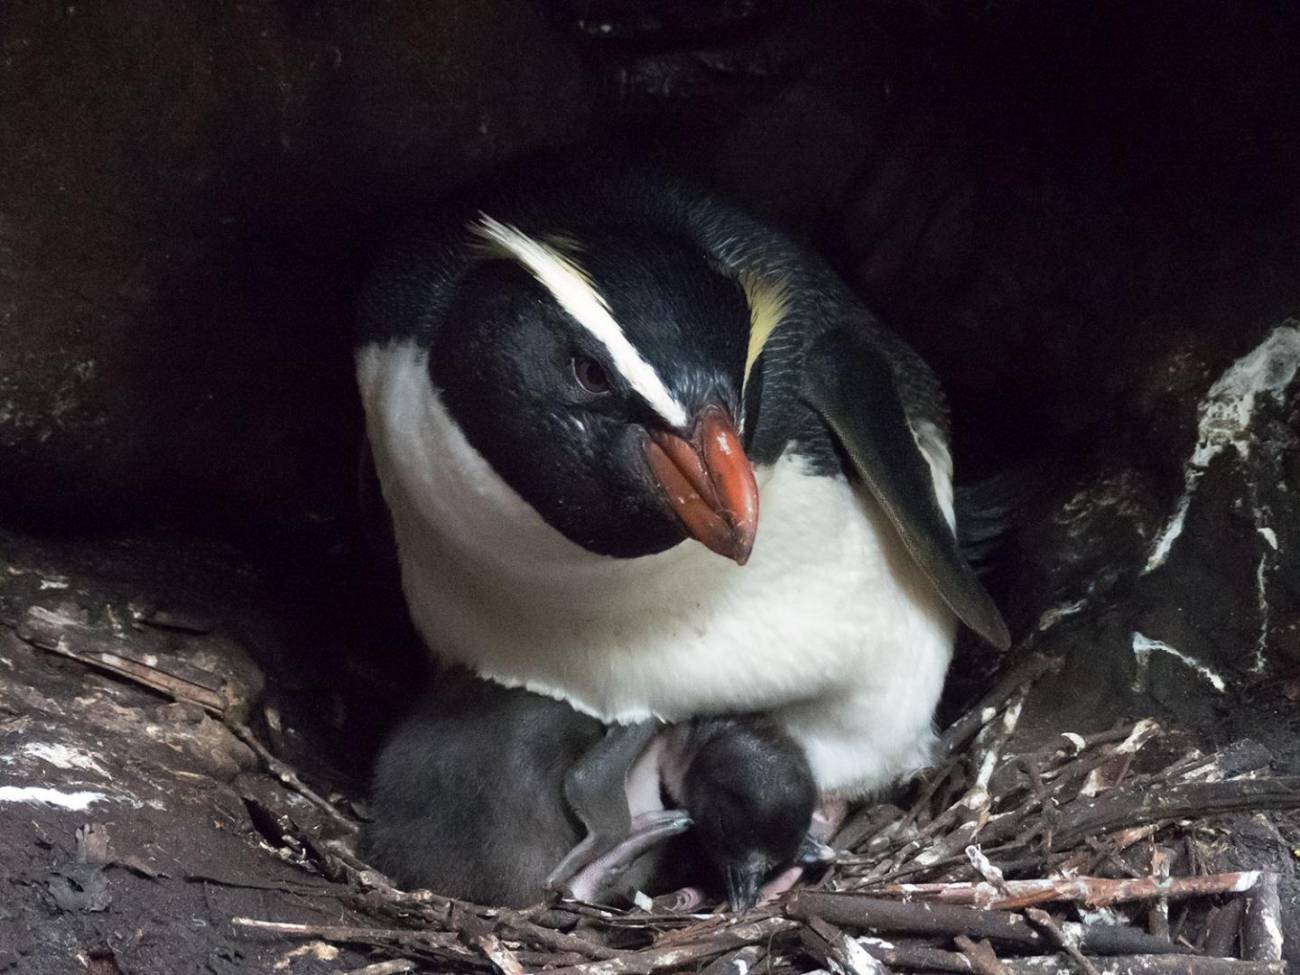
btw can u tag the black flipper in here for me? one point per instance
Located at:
(852, 384)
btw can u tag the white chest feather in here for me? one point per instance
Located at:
(830, 627)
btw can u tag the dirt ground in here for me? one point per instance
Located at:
(134, 826)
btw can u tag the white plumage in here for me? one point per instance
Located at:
(830, 627)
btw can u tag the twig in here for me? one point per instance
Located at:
(1158, 913)
(922, 917)
(497, 953)
(1224, 926)
(1093, 891)
(838, 952)
(1114, 842)
(1195, 799)
(915, 957)
(395, 967)
(1149, 965)
(437, 941)
(71, 638)
(992, 875)
(964, 728)
(289, 777)
(983, 960)
(436, 908)
(1261, 934)
(740, 962)
(1119, 939)
(681, 956)
(1062, 940)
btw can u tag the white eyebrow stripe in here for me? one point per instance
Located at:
(578, 296)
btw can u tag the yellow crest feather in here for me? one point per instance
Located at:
(767, 307)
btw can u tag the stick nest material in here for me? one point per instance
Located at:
(1085, 855)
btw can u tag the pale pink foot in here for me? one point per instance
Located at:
(779, 885)
(680, 901)
(827, 819)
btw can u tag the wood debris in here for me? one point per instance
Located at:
(955, 881)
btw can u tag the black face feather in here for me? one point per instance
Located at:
(686, 316)
(542, 400)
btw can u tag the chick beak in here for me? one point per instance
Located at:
(709, 483)
(743, 881)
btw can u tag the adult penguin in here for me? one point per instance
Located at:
(580, 380)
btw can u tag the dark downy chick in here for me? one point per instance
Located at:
(750, 793)
(467, 793)
(468, 798)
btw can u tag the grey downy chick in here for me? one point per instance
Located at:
(466, 796)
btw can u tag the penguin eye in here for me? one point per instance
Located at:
(590, 375)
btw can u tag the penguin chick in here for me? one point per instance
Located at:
(468, 798)
(467, 792)
(750, 794)
(748, 790)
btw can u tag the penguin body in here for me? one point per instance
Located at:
(466, 796)
(545, 541)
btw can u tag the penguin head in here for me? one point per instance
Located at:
(601, 378)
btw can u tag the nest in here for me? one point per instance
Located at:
(1087, 854)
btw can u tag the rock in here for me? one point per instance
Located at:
(121, 810)
(181, 224)
(1180, 602)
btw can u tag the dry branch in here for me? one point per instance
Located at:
(918, 917)
(835, 950)
(102, 650)
(440, 943)
(1069, 943)
(983, 960)
(1188, 799)
(289, 777)
(1223, 927)
(686, 955)
(1093, 891)
(1149, 965)
(986, 709)
(1261, 933)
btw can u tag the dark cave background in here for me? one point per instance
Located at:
(1079, 213)
(1053, 202)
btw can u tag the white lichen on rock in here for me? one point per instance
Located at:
(1225, 417)
(1142, 649)
(78, 801)
(62, 756)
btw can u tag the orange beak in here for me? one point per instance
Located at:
(709, 483)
